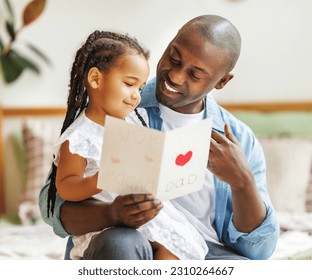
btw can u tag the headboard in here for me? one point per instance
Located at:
(242, 110)
(276, 119)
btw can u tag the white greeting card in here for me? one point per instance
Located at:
(138, 159)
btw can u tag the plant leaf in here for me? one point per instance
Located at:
(1, 46)
(32, 11)
(10, 10)
(10, 71)
(13, 64)
(39, 53)
(10, 28)
(24, 62)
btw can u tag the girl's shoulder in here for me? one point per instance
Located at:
(83, 136)
(83, 128)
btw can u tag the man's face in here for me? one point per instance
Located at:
(188, 70)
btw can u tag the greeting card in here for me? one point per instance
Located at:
(137, 159)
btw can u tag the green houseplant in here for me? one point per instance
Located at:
(12, 62)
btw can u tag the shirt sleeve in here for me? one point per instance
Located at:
(261, 242)
(52, 220)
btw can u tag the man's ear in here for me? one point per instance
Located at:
(93, 77)
(221, 84)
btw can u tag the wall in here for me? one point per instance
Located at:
(275, 63)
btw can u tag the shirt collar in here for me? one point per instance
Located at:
(212, 109)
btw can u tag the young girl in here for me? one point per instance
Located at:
(106, 78)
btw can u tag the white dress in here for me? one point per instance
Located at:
(170, 227)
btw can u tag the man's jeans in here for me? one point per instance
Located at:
(123, 243)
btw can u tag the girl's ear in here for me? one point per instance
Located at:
(93, 77)
(221, 84)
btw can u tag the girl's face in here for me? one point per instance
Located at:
(118, 91)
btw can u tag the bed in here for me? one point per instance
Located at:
(26, 136)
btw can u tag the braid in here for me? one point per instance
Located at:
(140, 117)
(102, 49)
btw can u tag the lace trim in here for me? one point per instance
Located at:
(187, 245)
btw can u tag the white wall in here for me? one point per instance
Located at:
(275, 63)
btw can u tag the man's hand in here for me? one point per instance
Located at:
(134, 210)
(227, 160)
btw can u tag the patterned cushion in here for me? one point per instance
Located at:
(38, 138)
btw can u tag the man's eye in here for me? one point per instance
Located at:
(194, 76)
(173, 60)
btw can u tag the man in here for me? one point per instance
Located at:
(233, 211)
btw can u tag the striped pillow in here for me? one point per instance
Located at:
(38, 138)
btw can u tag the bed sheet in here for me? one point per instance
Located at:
(293, 245)
(295, 241)
(38, 242)
(35, 242)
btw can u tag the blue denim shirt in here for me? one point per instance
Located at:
(258, 244)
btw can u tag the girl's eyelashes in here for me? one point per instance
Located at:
(131, 85)
(141, 88)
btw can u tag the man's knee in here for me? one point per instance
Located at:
(119, 243)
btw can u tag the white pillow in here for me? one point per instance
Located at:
(288, 171)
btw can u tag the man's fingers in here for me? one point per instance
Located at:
(143, 217)
(228, 134)
(216, 137)
(143, 206)
(135, 198)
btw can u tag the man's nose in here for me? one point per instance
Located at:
(177, 76)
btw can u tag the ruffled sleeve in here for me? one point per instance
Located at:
(85, 139)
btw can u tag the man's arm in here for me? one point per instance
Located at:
(75, 218)
(94, 215)
(253, 227)
(227, 162)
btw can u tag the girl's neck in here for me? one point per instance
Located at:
(96, 116)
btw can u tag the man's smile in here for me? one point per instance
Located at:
(169, 88)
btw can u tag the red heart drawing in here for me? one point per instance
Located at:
(183, 159)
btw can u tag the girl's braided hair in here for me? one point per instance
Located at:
(102, 49)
